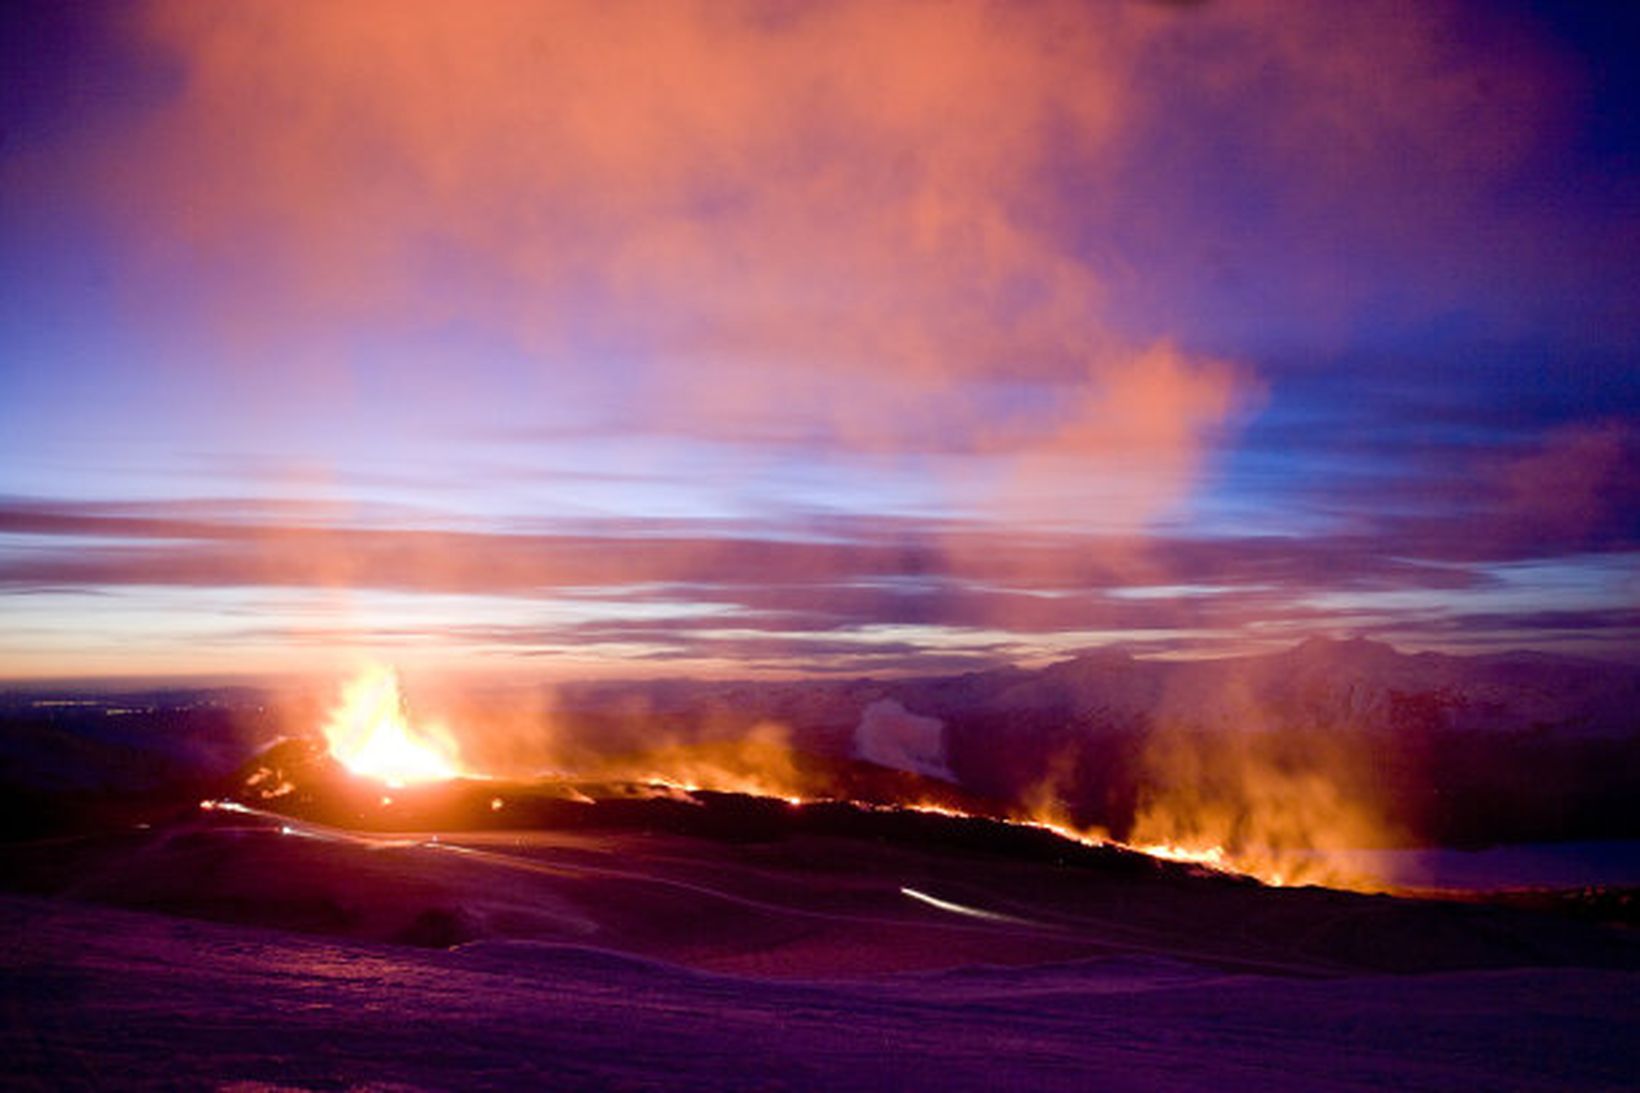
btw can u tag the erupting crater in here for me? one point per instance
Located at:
(370, 735)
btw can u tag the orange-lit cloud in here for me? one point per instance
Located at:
(842, 216)
(1574, 483)
(940, 238)
(841, 213)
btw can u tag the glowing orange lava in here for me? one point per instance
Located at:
(1233, 810)
(369, 734)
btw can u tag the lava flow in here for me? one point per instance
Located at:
(370, 735)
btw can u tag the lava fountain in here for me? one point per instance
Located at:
(369, 734)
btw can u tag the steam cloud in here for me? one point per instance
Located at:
(892, 736)
(744, 213)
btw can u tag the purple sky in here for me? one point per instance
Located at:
(866, 337)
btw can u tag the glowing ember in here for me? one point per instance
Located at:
(370, 735)
(1212, 856)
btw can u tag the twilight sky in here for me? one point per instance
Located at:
(740, 338)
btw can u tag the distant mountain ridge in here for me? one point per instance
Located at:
(1358, 684)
